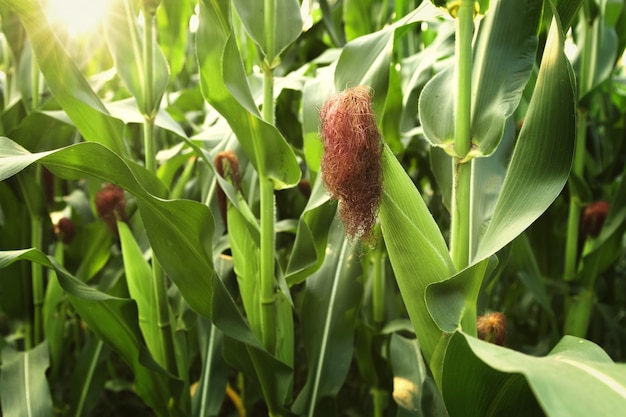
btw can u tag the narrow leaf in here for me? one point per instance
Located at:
(331, 298)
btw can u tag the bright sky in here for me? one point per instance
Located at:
(78, 16)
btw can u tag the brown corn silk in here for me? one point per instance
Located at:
(351, 164)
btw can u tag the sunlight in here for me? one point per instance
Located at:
(77, 16)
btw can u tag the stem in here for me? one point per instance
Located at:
(268, 292)
(167, 358)
(578, 167)
(378, 397)
(36, 223)
(573, 219)
(461, 189)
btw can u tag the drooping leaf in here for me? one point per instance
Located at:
(114, 320)
(180, 231)
(69, 86)
(577, 378)
(225, 87)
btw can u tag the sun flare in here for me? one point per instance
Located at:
(77, 16)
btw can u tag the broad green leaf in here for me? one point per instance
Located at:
(114, 320)
(543, 154)
(452, 303)
(23, 386)
(244, 351)
(126, 43)
(417, 251)
(503, 58)
(331, 300)
(225, 87)
(180, 231)
(69, 86)
(577, 378)
(273, 24)
(366, 59)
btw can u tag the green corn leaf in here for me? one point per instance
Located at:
(273, 35)
(542, 158)
(126, 43)
(69, 86)
(331, 300)
(503, 58)
(225, 87)
(139, 281)
(311, 236)
(209, 395)
(417, 250)
(577, 378)
(244, 351)
(173, 29)
(114, 320)
(23, 386)
(366, 59)
(180, 231)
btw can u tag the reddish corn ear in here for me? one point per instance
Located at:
(64, 230)
(227, 166)
(111, 206)
(351, 164)
(593, 218)
(492, 328)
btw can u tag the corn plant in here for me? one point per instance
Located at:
(282, 207)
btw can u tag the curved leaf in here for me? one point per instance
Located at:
(225, 87)
(180, 231)
(69, 86)
(577, 378)
(114, 320)
(366, 59)
(417, 251)
(286, 23)
(543, 154)
(503, 58)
